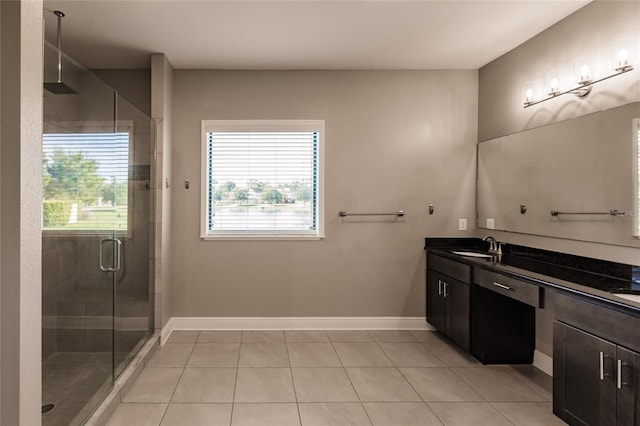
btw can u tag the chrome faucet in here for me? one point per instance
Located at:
(494, 245)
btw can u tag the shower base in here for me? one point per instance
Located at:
(70, 380)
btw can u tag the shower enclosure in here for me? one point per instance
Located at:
(97, 209)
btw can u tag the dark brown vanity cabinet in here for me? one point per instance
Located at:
(503, 323)
(448, 295)
(595, 381)
(628, 393)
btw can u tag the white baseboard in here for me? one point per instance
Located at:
(166, 332)
(543, 362)
(294, 323)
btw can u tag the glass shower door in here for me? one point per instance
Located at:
(83, 165)
(97, 240)
(133, 295)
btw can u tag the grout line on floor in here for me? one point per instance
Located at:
(344, 370)
(410, 384)
(467, 383)
(529, 382)
(179, 379)
(385, 354)
(503, 415)
(235, 383)
(424, 344)
(293, 382)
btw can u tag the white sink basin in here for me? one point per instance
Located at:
(632, 297)
(471, 254)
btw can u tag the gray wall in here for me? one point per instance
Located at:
(394, 140)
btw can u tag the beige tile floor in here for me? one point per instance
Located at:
(333, 378)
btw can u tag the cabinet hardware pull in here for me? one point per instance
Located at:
(439, 287)
(629, 383)
(506, 287)
(619, 374)
(445, 289)
(601, 366)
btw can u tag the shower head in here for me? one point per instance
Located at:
(58, 87)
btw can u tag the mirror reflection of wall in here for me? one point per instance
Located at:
(584, 165)
(636, 176)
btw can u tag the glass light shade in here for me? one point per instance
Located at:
(529, 95)
(623, 58)
(585, 73)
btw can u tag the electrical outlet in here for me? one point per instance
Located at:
(490, 223)
(462, 224)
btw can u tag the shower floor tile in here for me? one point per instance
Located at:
(70, 379)
(74, 376)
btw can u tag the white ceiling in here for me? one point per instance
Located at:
(300, 34)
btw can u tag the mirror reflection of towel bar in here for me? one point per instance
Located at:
(613, 212)
(399, 213)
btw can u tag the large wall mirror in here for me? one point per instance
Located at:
(584, 168)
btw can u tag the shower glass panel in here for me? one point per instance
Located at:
(96, 212)
(133, 294)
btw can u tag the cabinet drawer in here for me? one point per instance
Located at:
(592, 317)
(507, 286)
(457, 270)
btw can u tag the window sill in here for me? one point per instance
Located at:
(258, 237)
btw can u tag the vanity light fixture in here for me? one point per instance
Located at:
(585, 83)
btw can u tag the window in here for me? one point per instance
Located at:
(262, 179)
(85, 181)
(636, 176)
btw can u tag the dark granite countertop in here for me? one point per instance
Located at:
(596, 278)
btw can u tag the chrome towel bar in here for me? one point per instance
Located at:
(398, 213)
(613, 212)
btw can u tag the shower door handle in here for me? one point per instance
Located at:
(118, 255)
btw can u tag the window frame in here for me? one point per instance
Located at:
(261, 126)
(123, 126)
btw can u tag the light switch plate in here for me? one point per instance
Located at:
(462, 224)
(490, 223)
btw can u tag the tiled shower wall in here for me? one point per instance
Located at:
(78, 298)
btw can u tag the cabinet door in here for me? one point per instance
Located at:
(584, 387)
(627, 379)
(457, 307)
(436, 313)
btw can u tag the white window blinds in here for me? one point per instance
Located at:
(262, 178)
(85, 182)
